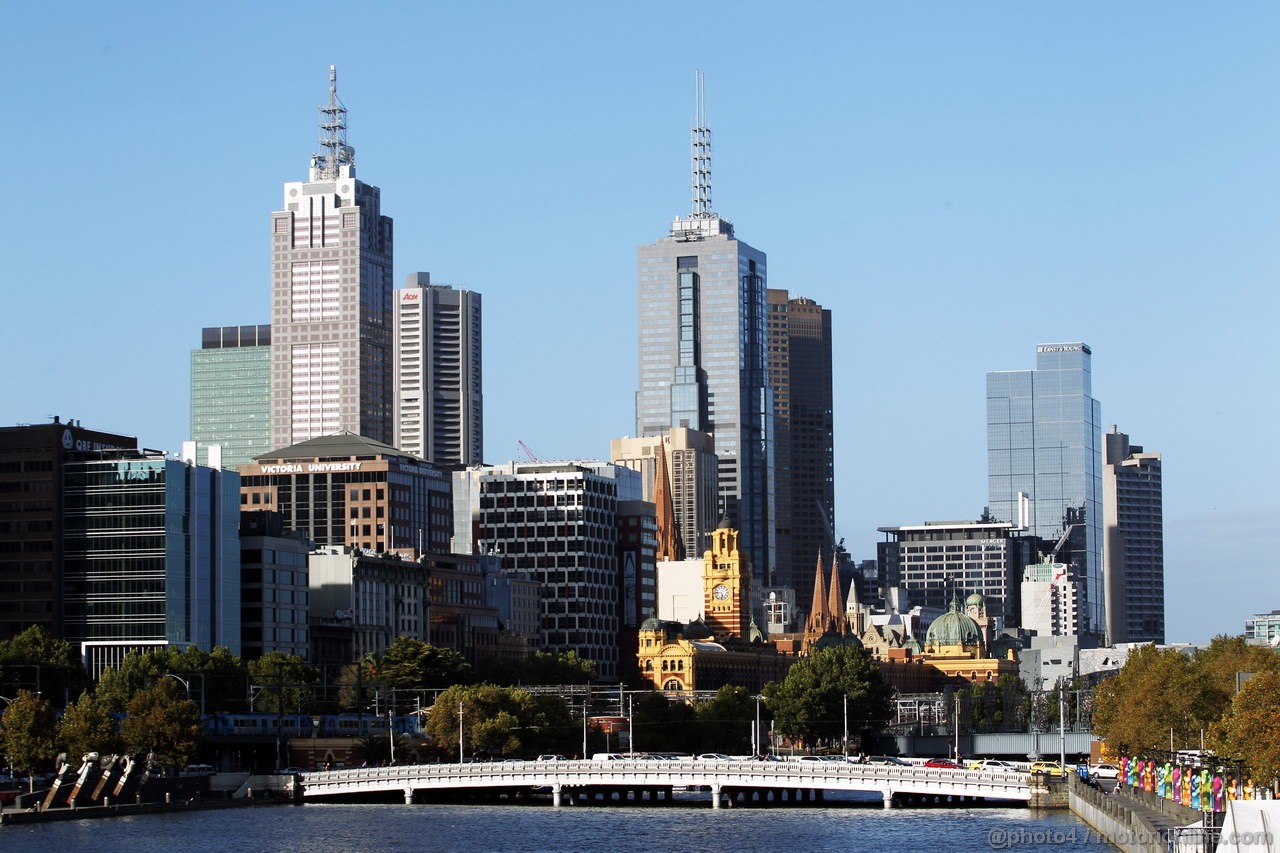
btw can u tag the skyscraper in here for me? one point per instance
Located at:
(1044, 463)
(438, 391)
(804, 462)
(703, 363)
(231, 393)
(1133, 541)
(331, 294)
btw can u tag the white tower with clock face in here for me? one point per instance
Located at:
(726, 581)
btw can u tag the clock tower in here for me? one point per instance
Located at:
(726, 579)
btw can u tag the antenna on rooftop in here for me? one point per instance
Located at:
(333, 134)
(700, 149)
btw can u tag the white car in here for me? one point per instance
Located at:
(714, 756)
(1104, 771)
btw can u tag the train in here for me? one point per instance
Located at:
(267, 725)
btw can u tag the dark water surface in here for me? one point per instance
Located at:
(696, 829)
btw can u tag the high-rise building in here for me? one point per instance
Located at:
(151, 555)
(438, 391)
(691, 482)
(32, 503)
(1044, 463)
(804, 442)
(231, 393)
(558, 523)
(703, 360)
(331, 289)
(1132, 541)
(1263, 628)
(1050, 599)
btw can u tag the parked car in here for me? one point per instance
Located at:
(550, 757)
(1048, 768)
(1104, 771)
(714, 756)
(942, 764)
(990, 764)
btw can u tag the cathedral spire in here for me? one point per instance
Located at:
(668, 534)
(835, 606)
(818, 616)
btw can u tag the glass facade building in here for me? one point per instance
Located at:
(1044, 463)
(151, 556)
(703, 365)
(1133, 541)
(231, 393)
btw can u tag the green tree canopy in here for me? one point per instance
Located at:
(413, 665)
(161, 722)
(217, 679)
(539, 668)
(36, 660)
(282, 683)
(27, 730)
(497, 721)
(87, 726)
(724, 723)
(661, 725)
(1250, 730)
(809, 704)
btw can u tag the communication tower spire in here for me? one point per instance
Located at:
(333, 135)
(700, 150)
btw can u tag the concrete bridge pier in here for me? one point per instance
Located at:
(715, 796)
(888, 797)
(555, 795)
(408, 796)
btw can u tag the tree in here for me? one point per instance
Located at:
(38, 661)
(1156, 691)
(86, 727)
(161, 723)
(667, 726)
(725, 722)
(27, 730)
(282, 683)
(412, 665)
(539, 668)
(215, 680)
(1218, 664)
(503, 721)
(1251, 728)
(809, 704)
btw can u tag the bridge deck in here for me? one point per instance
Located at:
(716, 775)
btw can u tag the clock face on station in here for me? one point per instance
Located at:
(721, 592)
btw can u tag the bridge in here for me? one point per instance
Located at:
(743, 782)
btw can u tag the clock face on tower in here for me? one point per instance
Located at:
(721, 592)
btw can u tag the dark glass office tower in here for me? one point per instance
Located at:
(1044, 463)
(703, 360)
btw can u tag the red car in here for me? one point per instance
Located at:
(943, 763)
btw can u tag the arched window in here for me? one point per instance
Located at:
(648, 665)
(673, 685)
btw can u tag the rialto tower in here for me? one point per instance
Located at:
(703, 359)
(331, 292)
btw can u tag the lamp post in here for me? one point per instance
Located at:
(459, 731)
(391, 736)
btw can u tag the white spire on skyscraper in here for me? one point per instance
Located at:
(333, 137)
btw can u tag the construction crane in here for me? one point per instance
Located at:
(533, 457)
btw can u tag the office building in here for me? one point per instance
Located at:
(558, 523)
(331, 291)
(349, 490)
(1050, 598)
(231, 393)
(1044, 463)
(32, 502)
(935, 560)
(703, 360)
(151, 555)
(804, 442)
(274, 588)
(1132, 541)
(438, 389)
(692, 482)
(1264, 628)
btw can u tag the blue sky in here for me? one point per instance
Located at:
(956, 181)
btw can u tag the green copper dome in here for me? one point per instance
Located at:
(953, 628)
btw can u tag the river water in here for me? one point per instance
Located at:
(657, 829)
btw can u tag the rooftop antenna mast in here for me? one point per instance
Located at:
(333, 134)
(700, 150)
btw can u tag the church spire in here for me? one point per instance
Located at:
(835, 606)
(818, 617)
(668, 534)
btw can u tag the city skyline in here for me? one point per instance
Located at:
(955, 185)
